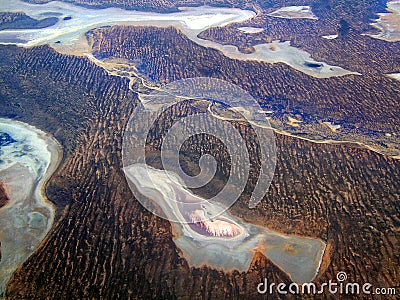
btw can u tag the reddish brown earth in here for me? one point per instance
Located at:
(3, 201)
(3, 195)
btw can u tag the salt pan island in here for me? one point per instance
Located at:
(28, 157)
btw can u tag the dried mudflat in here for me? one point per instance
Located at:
(389, 23)
(251, 30)
(395, 76)
(68, 34)
(300, 257)
(27, 161)
(294, 12)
